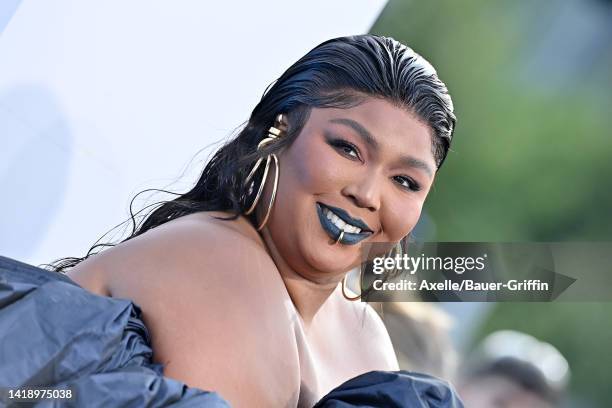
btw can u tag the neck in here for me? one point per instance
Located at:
(307, 295)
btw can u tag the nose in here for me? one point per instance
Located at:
(365, 192)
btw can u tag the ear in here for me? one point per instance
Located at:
(281, 122)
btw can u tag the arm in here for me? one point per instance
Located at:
(207, 295)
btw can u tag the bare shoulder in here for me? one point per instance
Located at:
(185, 240)
(200, 283)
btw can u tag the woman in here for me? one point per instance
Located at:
(246, 270)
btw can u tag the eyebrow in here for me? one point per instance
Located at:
(367, 137)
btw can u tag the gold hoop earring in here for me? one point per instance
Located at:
(273, 134)
(347, 297)
(399, 251)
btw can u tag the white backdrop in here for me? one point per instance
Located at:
(99, 100)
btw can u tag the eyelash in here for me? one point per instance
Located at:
(342, 144)
(412, 185)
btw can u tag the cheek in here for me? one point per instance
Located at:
(400, 217)
(315, 167)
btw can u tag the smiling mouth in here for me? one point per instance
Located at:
(334, 220)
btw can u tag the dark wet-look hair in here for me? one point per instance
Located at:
(338, 73)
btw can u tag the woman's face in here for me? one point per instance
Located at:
(374, 161)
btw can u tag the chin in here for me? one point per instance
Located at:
(332, 259)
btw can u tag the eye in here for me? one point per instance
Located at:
(346, 148)
(407, 183)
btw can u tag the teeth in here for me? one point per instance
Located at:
(340, 223)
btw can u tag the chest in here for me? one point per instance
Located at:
(331, 351)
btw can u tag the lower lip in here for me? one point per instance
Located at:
(333, 231)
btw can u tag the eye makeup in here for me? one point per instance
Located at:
(344, 146)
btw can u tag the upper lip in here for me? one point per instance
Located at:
(344, 216)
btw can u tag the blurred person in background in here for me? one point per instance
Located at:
(510, 369)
